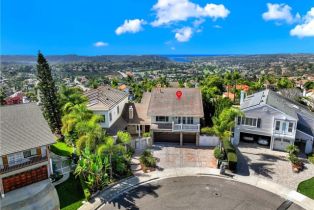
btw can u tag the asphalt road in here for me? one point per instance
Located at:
(199, 193)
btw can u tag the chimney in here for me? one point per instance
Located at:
(242, 96)
(131, 113)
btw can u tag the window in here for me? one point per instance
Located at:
(277, 125)
(103, 118)
(184, 120)
(15, 158)
(286, 140)
(118, 109)
(189, 120)
(290, 128)
(110, 117)
(284, 126)
(29, 153)
(249, 121)
(162, 119)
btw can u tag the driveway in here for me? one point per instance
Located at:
(174, 156)
(263, 162)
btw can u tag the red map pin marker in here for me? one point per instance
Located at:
(179, 94)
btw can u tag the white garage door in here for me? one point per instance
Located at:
(281, 144)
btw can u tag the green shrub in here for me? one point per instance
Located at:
(218, 153)
(147, 159)
(311, 158)
(62, 149)
(231, 154)
(207, 131)
(147, 134)
(86, 191)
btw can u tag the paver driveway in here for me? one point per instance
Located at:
(263, 162)
(174, 156)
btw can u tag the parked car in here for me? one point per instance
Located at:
(248, 138)
(263, 141)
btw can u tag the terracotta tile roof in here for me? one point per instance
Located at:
(164, 102)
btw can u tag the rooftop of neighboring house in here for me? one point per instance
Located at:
(104, 98)
(165, 102)
(239, 87)
(228, 95)
(23, 127)
(139, 111)
(298, 111)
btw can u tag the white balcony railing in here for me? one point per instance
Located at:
(186, 127)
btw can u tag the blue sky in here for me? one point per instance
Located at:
(157, 26)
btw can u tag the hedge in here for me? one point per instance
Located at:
(85, 188)
(231, 154)
(207, 131)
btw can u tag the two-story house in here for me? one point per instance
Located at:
(24, 157)
(274, 120)
(108, 102)
(175, 115)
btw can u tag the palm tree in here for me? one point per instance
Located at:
(228, 81)
(235, 77)
(224, 123)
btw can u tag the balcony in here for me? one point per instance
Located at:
(172, 127)
(186, 127)
(22, 164)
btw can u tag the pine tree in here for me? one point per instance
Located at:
(48, 95)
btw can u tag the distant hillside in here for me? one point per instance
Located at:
(29, 59)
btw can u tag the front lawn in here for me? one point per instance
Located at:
(70, 194)
(62, 149)
(307, 188)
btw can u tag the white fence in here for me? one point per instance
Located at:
(209, 141)
(141, 143)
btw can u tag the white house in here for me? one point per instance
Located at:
(107, 102)
(274, 120)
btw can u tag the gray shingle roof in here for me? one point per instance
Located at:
(298, 111)
(23, 127)
(104, 98)
(164, 102)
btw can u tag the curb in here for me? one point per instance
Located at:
(257, 182)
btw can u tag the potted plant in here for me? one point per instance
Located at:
(296, 163)
(148, 162)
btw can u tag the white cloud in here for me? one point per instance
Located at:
(130, 26)
(217, 26)
(280, 13)
(306, 28)
(101, 44)
(184, 34)
(169, 11)
(173, 48)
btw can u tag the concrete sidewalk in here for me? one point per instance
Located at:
(125, 185)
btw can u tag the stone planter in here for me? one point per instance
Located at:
(147, 169)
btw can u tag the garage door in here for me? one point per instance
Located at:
(167, 137)
(281, 144)
(189, 138)
(25, 178)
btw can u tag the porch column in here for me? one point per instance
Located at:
(197, 139)
(181, 139)
(1, 188)
(272, 143)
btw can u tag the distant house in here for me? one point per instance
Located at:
(108, 102)
(245, 88)
(274, 120)
(24, 157)
(16, 98)
(228, 95)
